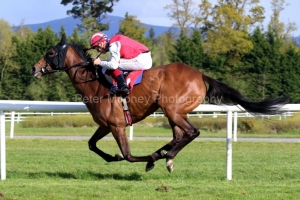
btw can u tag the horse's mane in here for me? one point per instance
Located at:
(81, 50)
(86, 56)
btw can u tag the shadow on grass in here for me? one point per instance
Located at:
(88, 175)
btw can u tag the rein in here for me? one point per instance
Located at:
(86, 79)
(46, 70)
(56, 63)
(56, 60)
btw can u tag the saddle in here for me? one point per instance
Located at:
(132, 78)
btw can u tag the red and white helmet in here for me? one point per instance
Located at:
(97, 38)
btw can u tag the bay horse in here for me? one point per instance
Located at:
(176, 89)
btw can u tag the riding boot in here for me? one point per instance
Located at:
(122, 86)
(121, 83)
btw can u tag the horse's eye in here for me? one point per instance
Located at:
(51, 53)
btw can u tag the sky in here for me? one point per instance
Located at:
(147, 11)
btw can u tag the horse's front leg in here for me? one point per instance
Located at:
(99, 134)
(122, 140)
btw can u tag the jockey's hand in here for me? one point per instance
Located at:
(97, 61)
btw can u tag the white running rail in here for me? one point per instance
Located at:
(50, 106)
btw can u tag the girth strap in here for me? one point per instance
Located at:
(126, 111)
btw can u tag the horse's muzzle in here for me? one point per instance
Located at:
(36, 74)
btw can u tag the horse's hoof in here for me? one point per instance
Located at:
(119, 157)
(149, 166)
(170, 165)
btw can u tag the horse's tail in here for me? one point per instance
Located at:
(220, 93)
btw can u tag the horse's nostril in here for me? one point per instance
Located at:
(32, 69)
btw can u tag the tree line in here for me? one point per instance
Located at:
(226, 42)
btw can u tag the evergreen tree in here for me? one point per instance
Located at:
(290, 62)
(164, 44)
(181, 49)
(151, 37)
(273, 87)
(54, 87)
(24, 58)
(61, 31)
(42, 41)
(189, 50)
(255, 66)
(7, 66)
(197, 56)
(133, 28)
(75, 38)
(91, 13)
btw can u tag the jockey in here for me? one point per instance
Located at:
(126, 54)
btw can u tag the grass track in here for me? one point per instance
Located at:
(138, 131)
(66, 169)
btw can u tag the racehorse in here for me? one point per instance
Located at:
(176, 89)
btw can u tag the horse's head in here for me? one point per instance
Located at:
(73, 59)
(53, 61)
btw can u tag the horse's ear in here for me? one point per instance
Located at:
(63, 39)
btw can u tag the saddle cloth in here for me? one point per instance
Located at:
(132, 78)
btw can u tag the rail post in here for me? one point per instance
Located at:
(229, 146)
(2, 146)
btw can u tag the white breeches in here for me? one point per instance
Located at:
(141, 62)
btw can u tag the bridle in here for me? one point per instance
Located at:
(56, 62)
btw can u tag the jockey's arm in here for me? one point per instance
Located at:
(113, 62)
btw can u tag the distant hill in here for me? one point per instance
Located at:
(70, 23)
(297, 40)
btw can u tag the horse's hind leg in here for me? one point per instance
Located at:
(160, 153)
(99, 134)
(189, 134)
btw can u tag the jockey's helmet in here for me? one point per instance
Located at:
(97, 38)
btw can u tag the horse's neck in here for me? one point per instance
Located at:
(79, 78)
(87, 90)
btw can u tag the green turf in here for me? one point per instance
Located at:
(138, 131)
(66, 169)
